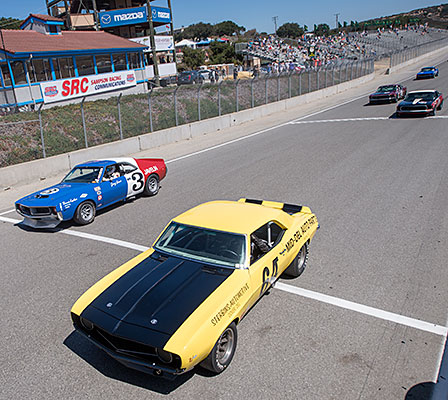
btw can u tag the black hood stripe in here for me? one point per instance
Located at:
(157, 295)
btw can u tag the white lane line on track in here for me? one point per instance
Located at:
(7, 212)
(323, 298)
(277, 126)
(104, 239)
(374, 312)
(340, 120)
(260, 132)
(358, 119)
(89, 236)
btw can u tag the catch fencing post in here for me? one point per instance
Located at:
(175, 105)
(119, 115)
(252, 102)
(300, 82)
(289, 84)
(309, 80)
(317, 78)
(278, 86)
(41, 129)
(84, 121)
(236, 95)
(219, 97)
(332, 75)
(326, 79)
(150, 110)
(199, 101)
(266, 89)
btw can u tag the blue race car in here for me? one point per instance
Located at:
(427, 72)
(89, 187)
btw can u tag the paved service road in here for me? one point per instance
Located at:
(367, 319)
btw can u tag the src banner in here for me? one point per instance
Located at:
(71, 88)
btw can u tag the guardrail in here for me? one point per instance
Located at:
(86, 124)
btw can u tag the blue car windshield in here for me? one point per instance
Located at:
(206, 245)
(427, 69)
(83, 175)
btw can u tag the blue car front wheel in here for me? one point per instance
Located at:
(85, 213)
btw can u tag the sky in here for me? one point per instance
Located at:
(255, 14)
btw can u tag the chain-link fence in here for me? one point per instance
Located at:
(402, 56)
(46, 132)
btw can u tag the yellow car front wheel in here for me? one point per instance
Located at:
(223, 351)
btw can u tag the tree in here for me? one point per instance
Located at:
(10, 23)
(227, 28)
(193, 58)
(200, 30)
(290, 30)
(321, 29)
(223, 53)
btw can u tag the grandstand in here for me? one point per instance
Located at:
(312, 51)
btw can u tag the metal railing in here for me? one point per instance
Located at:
(62, 129)
(402, 56)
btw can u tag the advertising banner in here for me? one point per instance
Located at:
(163, 43)
(161, 14)
(124, 16)
(168, 69)
(71, 88)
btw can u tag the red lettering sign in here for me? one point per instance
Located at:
(84, 85)
(65, 88)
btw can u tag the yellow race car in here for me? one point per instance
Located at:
(177, 304)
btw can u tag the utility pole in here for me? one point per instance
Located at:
(275, 23)
(153, 45)
(95, 15)
(172, 32)
(337, 20)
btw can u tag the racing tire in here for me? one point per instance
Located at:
(223, 351)
(152, 185)
(85, 213)
(440, 107)
(298, 265)
(432, 113)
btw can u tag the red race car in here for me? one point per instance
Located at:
(388, 93)
(421, 102)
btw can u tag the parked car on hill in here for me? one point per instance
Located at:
(189, 78)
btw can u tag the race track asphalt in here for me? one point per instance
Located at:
(379, 187)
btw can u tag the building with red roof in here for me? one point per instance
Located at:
(41, 55)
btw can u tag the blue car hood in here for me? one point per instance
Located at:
(54, 194)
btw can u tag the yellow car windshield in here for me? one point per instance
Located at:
(205, 245)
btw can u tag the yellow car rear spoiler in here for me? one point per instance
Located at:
(288, 208)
